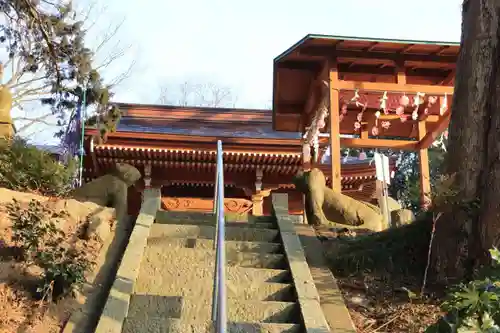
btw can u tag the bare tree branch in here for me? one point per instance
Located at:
(112, 31)
(21, 96)
(202, 94)
(86, 15)
(36, 120)
(123, 76)
(27, 82)
(163, 99)
(27, 87)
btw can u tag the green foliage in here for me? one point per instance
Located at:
(43, 245)
(28, 229)
(26, 168)
(64, 269)
(406, 185)
(45, 45)
(474, 306)
(106, 122)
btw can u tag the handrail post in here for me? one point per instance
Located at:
(216, 196)
(216, 185)
(215, 291)
(219, 314)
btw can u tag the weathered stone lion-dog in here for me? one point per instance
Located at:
(325, 206)
(111, 189)
(6, 122)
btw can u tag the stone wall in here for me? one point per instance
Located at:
(117, 302)
(321, 303)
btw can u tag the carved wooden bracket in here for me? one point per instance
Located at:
(147, 175)
(258, 179)
(248, 191)
(264, 193)
(231, 205)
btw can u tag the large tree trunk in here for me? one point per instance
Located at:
(464, 235)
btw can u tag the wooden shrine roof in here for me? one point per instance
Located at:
(200, 121)
(365, 64)
(172, 136)
(197, 167)
(180, 143)
(188, 135)
(204, 160)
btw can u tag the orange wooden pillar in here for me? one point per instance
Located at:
(423, 158)
(334, 125)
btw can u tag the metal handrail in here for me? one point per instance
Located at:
(219, 314)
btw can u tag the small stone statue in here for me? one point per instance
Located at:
(110, 190)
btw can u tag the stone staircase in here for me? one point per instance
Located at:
(173, 290)
(164, 282)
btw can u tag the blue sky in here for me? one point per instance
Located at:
(232, 43)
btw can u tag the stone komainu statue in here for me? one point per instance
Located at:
(110, 190)
(6, 124)
(329, 207)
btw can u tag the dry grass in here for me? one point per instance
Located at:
(21, 313)
(13, 308)
(380, 275)
(19, 310)
(380, 306)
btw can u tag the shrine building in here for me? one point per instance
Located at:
(365, 93)
(328, 92)
(174, 147)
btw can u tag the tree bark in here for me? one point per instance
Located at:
(464, 235)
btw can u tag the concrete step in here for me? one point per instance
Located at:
(199, 257)
(164, 215)
(173, 325)
(211, 223)
(203, 289)
(256, 260)
(197, 243)
(172, 266)
(196, 310)
(208, 232)
(261, 219)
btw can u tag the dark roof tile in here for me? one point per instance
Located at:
(201, 128)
